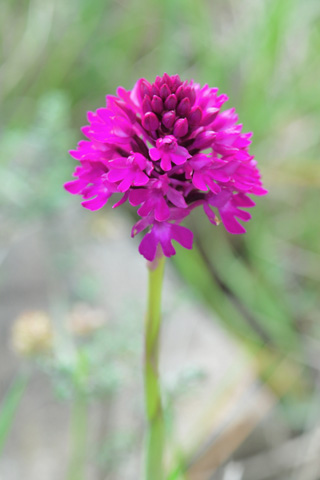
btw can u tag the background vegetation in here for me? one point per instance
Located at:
(60, 59)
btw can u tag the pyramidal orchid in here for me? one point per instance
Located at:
(168, 148)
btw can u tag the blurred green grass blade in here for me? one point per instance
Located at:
(176, 474)
(258, 292)
(9, 407)
(194, 270)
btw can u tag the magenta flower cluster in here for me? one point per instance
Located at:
(168, 148)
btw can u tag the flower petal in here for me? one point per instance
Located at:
(148, 246)
(95, 203)
(161, 211)
(182, 235)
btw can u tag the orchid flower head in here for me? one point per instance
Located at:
(168, 148)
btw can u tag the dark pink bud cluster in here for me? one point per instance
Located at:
(169, 148)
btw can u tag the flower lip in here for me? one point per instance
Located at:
(169, 148)
(168, 151)
(168, 143)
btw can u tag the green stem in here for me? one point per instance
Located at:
(154, 412)
(79, 420)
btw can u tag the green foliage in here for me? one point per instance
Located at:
(9, 406)
(93, 367)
